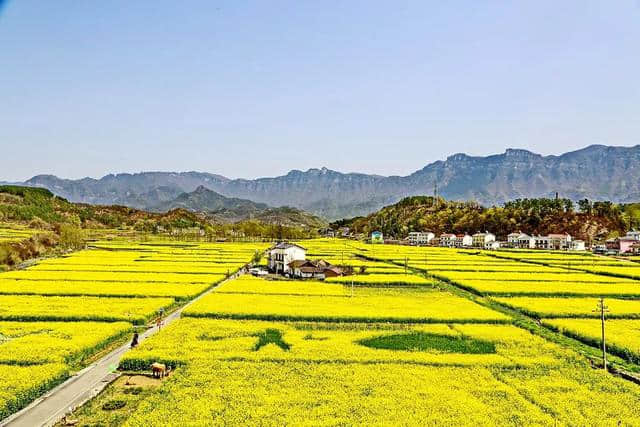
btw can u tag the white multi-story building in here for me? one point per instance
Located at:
(542, 242)
(512, 239)
(448, 240)
(559, 241)
(417, 238)
(463, 240)
(283, 254)
(481, 239)
(521, 241)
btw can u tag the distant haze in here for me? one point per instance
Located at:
(256, 88)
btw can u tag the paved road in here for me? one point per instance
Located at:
(52, 407)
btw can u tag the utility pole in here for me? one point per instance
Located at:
(406, 261)
(352, 286)
(425, 259)
(602, 309)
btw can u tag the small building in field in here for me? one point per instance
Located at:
(377, 237)
(481, 239)
(448, 240)
(283, 254)
(313, 269)
(419, 238)
(333, 271)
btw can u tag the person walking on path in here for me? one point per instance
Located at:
(134, 342)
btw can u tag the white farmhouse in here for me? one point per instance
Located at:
(448, 240)
(512, 239)
(283, 254)
(463, 240)
(542, 242)
(417, 238)
(481, 239)
(559, 241)
(521, 241)
(577, 245)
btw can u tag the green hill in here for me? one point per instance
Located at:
(589, 220)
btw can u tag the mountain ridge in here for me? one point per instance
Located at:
(596, 172)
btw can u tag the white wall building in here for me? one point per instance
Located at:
(559, 241)
(492, 245)
(542, 242)
(512, 239)
(481, 239)
(577, 245)
(417, 238)
(282, 254)
(448, 240)
(463, 240)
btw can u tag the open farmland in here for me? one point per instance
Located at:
(404, 306)
(606, 266)
(15, 233)
(56, 315)
(262, 352)
(418, 335)
(572, 307)
(622, 334)
(562, 288)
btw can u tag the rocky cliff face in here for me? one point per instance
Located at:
(597, 172)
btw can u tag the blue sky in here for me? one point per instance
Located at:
(256, 88)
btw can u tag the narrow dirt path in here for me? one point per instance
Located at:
(52, 407)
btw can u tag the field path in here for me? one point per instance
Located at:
(84, 385)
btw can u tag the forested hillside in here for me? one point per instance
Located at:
(588, 220)
(54, 222)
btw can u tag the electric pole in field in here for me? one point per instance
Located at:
(425, 259)
(602, 309)
(406, 262)
(351, 286)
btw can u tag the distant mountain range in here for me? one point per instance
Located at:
(232, 209)
(596, 172)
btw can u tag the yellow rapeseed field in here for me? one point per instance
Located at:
(36, 307)
(43, 342)
(572, 307)
(623, 335)
(420, 306)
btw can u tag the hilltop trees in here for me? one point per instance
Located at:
(533, 216)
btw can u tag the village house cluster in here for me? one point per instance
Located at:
(290, 260)
(629, 244)
(559, 242)
(486, 240)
